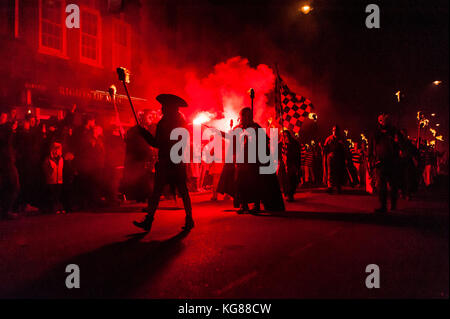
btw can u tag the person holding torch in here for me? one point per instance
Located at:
(167, 172)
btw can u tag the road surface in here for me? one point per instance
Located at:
(319, 248)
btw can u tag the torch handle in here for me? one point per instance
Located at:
(113, 98)
(131, 103)
(252, 97)
(252, 107)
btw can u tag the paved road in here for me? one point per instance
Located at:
(319, 248)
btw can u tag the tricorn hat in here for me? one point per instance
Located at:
(171, 100)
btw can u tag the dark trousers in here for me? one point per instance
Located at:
(174, 176)
(289, 180)
(387, 174)
(54, 203)
(9, 188)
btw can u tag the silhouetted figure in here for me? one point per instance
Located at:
(429, 160)
(249, 185)
(384, 156)
(317, 162)
(408, 158)
(9, 178)
(334, 153)
(114, 160)
(27, 162)
(167, 172)
(358, 162)
(88, 161)
(138, 164)
(289, 162)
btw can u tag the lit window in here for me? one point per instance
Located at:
(52, 32)
(90, 37)
(121, 45)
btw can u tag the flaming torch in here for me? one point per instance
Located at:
(112, 92)
(124, 76)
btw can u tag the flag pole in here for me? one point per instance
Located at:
(277, 92)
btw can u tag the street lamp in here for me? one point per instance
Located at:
(437, 82)
(305, 9)
(398, 94)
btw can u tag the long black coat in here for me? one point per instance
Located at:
(244, 182)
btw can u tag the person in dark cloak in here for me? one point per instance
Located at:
(384, 153)
(249, 185)
(334, 153)
(227, 176)
(167, 172)
(289, 162)
(138, 164)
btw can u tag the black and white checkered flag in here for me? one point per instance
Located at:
(293, 109)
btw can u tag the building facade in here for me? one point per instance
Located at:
(48, 66)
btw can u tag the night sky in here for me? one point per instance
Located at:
(350, 72)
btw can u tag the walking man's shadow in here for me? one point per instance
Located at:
(112, 271)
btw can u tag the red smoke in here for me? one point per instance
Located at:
(225, 91)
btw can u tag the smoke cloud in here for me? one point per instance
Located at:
(225, 91)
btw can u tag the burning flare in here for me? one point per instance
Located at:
(203, 117)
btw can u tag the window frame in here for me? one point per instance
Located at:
(114, 61)
(48, 50)
(83, 59)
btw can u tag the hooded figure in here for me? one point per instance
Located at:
(167, 172)
(249, 186)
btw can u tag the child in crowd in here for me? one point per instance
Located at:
(53, 172)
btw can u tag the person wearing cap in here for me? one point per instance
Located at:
(167, 172)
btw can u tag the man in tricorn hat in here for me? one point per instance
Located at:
(167, 172)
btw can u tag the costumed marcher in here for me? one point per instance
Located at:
(384, 156)
(250, 186)
(139, 163)
(334, 153)
(289, 161)
(167, 172)
(226, 184)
